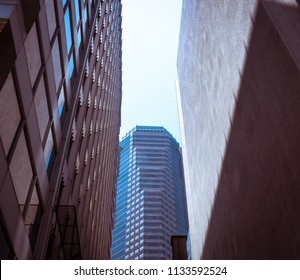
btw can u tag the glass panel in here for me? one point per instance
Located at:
(68, 29)
(48, 148)
(9, 113)
(79, 37)
(50, 11)
(64, 2)
(20, 170)
(77, 11)
(71, 65)
(61, 101)
(41, 106)
(56, 63)
(33, 54)
(85, 15)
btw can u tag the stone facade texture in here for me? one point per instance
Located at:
(238, 72)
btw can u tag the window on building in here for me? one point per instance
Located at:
(21, 170)
(9, 113)
(64, 2)
(67, 21)
(41, 106)
(51, 18)
(79, 36)
(85, 15)
(77, 11)
(56, 62)
(71, 65)
(61, 101)
(69, 39)
(32, 51)
(49, 149)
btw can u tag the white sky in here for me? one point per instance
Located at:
(150, 43)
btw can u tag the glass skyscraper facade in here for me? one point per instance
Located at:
(60, 102)
(150, 199)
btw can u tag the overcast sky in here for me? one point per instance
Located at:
(150, 43)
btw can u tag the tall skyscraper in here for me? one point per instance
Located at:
(60, 98)
(238, 67)
(150, 202)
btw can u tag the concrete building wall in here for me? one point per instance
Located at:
(212, 58)
(256, 209)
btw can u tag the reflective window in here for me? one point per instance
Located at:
(71, 65)
(61, 101)
(77, 11)
(9, 113)
(85, 15)
(48, 150)
(21, 170)
(67, 21)
(79, 37)
(56, 63)
(50, 11)
(33, 54)
(41, 106)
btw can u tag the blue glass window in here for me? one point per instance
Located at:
(79, 37)
(71, 65)
(85, 14)
(68, 29)
(48, 149)
(61, 101)
(77, 11)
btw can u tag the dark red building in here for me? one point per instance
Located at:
(60, 98)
